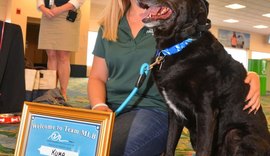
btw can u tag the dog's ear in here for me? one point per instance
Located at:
(206, 6)
(204, 10)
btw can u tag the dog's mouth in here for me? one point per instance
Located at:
(154, 14)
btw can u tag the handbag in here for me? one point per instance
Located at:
(40, 79)
(37, 82)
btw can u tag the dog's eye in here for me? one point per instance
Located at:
(144, 6)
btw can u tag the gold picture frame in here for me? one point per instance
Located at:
(62, 130)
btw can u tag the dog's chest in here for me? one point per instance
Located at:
(172, 105)
(169, 85)
(178, 81)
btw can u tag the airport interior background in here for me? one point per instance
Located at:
(250, 23)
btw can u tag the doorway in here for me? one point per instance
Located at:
(32, 53)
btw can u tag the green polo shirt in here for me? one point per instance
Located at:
(124, 59)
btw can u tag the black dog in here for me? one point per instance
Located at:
(201, 83)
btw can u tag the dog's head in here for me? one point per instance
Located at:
(175, 19)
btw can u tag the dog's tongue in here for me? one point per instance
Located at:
(152, 10)
(156, 13)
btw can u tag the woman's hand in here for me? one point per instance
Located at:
(254, 92)
(101, 107)
(61, 9)
(57, 10)
(47, 12)
(105, 109)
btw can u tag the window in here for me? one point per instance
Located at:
(240, 55)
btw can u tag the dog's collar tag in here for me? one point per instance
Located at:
(176, 48)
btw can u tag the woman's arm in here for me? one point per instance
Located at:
(254, 92)
(96, 84)
(63, 8)
(76, 3)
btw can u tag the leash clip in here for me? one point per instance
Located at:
(159, 60)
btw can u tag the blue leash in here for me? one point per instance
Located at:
(143, 73)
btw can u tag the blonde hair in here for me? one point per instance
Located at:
(112, 14)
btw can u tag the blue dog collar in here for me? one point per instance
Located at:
(176, 48)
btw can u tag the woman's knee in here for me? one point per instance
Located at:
(51, 54)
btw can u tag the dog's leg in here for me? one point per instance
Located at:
(205, 134)
(174, 133)
(206, 125)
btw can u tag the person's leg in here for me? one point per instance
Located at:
(140, 133)
(52, 60)
(63, 70)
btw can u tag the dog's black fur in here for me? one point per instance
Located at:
(203, 85)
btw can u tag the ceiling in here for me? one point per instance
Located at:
(247, 17)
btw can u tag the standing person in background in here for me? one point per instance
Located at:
(122, 46)
(234, 40)
(59, 35)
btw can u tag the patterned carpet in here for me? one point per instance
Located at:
(77, 97)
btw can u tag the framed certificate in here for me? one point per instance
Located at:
(63, 131)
